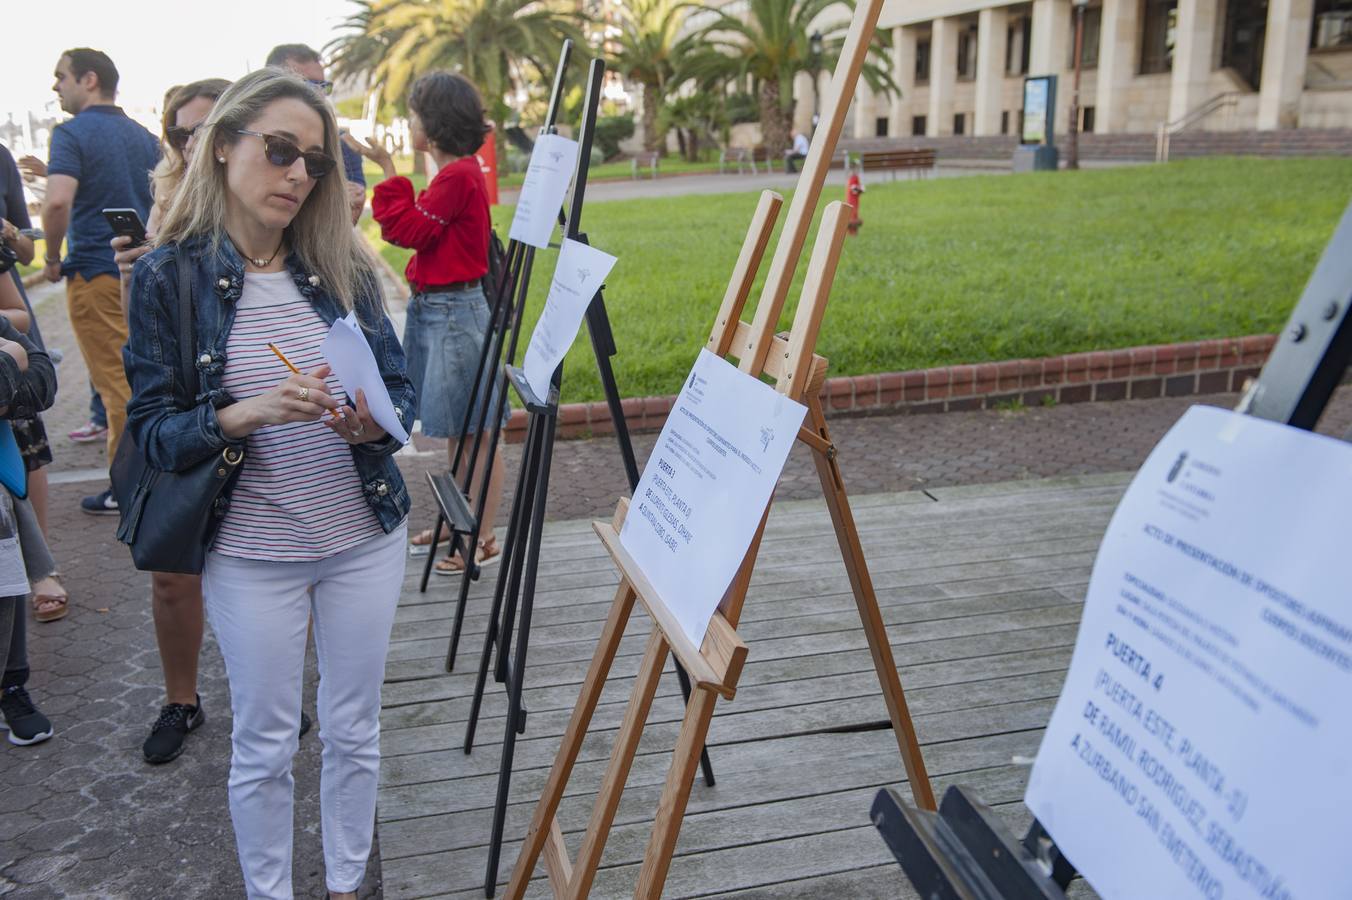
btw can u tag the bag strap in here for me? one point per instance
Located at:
(186, 343)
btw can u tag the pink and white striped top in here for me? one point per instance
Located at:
(298, 497)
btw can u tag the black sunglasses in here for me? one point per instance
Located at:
(281, 152)
(178, 137)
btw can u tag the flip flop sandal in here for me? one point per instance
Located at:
(50, 607)
(421, 545)
(487, 555)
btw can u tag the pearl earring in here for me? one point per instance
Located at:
(220, 159)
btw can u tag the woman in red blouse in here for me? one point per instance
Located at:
(447, 226)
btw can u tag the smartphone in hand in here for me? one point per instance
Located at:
(126, 223)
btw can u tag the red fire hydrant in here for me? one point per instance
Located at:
(854, 191)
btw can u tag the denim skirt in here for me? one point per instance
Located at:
(443, 340)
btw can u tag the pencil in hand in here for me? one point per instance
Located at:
(282, 356)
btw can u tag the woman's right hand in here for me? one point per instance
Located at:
(298, 398)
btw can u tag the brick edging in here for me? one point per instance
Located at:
(1137, 373)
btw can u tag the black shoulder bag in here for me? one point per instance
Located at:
(168, 518)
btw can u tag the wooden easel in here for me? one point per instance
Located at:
(715, 667)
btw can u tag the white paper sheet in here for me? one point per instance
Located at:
(347, 353)
(706, 485)
(579, 274)
(547, 178)
(1202, 745)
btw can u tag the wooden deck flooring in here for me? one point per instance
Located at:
(980, 588)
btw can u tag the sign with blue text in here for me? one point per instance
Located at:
(1202, 744)
(706, 486)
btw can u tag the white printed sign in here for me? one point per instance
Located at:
(579, 274)
(542, 192)
(1202, 745)
(706, 485)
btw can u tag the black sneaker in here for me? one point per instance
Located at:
(26, 725)
(100, 504)
(170, 729)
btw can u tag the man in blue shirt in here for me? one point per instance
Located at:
(100, 159)
(308, 64)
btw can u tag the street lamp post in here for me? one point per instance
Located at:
(1073, 158)
(814, 44)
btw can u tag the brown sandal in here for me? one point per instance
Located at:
(49, 606)
(489, 553)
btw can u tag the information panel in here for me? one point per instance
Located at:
(1202, 745)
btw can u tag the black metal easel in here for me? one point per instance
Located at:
(963, 852)
(515, 588)
(450, 489)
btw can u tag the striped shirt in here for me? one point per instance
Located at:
(298, 497)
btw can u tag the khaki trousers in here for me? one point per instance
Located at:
(95, 307)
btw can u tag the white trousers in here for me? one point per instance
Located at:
(259, 612)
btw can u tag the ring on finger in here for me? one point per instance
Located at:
(359, 429)
(303, 394)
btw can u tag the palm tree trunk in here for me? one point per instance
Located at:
(775, 123)
(652, 141)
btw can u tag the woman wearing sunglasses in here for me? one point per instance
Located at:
(176, 599)
(315, 523)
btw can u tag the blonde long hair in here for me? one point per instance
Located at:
(164, 180)
(321, 234)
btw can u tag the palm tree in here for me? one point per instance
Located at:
(648, 51)
(771, 42)
(501, 45)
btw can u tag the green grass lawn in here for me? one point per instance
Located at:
(977, 269)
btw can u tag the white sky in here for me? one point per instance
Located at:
(154, 43)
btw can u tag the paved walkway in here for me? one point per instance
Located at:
(83, 816)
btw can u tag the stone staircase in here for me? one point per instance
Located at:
(1134, 147)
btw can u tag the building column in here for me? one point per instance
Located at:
(943, 76)
(1194, 53)
(864, 124)
(1285, 52)
(802, 103)
(1117, 64)
(992, 25)
(903, 73)
(1051, 52)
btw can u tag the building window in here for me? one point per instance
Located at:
(1089, 49)
(959, 123)
(1018, 46)
(1332, 25)
(1158, 31)
(1087, 120)
(1245, 29)
(1004, 121)
(880, 127)
(967, 53)
(918, 126)
(922, 61)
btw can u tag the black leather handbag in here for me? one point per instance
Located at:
(169, 518)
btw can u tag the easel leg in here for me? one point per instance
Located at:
(675, 795)
(432, 558)
(516, 719)
(506, 590)
(542, 823)
(833, 488)
(617, 773)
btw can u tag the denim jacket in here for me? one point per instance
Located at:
(174, 439)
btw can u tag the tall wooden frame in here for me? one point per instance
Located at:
(797, 371)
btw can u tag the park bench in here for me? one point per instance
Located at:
(742, 157)
(919, 162)
(646, 159)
